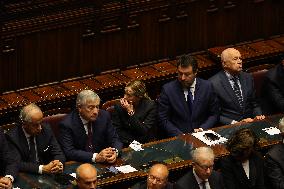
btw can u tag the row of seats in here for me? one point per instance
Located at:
(59, 96)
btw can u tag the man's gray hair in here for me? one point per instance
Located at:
(281, 125)
(86, 95)
(202, 153)
(25, 115)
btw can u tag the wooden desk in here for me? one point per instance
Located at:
(175, 152)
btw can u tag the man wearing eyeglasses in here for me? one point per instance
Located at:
(202, 175)
(157, 179)
(87, 134)
(35, 144)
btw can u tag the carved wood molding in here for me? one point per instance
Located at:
(112, 16)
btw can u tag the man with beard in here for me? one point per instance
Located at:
(188, 103)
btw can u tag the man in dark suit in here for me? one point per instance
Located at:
(8, 163)
(157, 179)
(86, 177)
(273, 90)
(244, 167)
(202, 176)
(189, 103)
(35, 143)
(87, 134)
(274, 163)
(235, 90)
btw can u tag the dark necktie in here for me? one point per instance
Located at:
(203, 184)
(189, 101)
(237, 91)
(89, 144)
(32, 149)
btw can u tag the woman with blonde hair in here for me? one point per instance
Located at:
(135, 117)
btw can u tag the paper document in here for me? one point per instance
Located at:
(272, 130)
(73, 175)
(209, 137)
(126, 169)
(136, 146)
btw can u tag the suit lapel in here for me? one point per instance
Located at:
(193, 182)
(252, 172)
(22, 142)
(78, 125)
(228, 88)
(243, 88)
(180, 93)
(212, 182)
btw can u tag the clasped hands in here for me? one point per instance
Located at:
(5, 183)
(106, 155)
(53, 167)
(249, 120)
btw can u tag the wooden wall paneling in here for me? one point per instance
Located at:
(214, 23)
(8, 65)
(229, 17)
(166, 32)
(27, 61)
(69, 51)
(251, 13)
(193, 28)
(49, 65)
(90, 57)
(276, 18)
(94, 36)
(133, 37)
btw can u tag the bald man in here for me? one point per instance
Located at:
(86, 177)
(202, 175)
(157, 179)
(35, 144)
(235, 91)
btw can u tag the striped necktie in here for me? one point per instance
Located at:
(237, 91)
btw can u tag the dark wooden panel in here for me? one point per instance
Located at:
(45, 41)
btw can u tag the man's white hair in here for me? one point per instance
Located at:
(202, 153)
(25, 113)
(281, 125)
(86, 95)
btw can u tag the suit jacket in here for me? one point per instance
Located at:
(229, 105)
(235, 177)
(8, 160)
(73, 137)
(140, 126)
(174, 111)
(47, 148)
(274, 167)
(143, 185)
(189, 181)
(272, 93)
